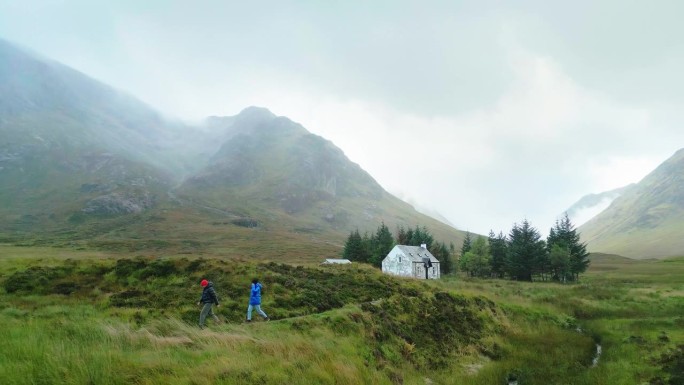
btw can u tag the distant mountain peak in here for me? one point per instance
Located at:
(645, 221)
(256, 111)
(254, 116)
(249, 117)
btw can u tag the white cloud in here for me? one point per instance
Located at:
(488, 115)
(584, 214)
(544, 143)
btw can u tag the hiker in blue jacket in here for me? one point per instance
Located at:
(208, 299)
(255, 301)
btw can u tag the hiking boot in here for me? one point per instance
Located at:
(267, 319)
(249, 320)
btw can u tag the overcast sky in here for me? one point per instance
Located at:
(484, 111)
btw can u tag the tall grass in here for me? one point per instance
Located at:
(346, 325)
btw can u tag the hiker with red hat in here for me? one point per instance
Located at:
(208, 299)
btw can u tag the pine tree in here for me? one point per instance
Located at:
(564, 235)
(454, 259)
(382, 245)
(526, 251)
(421, 236)
(559, 263)
(497, 250)
(467, 244)
(367, 247)
(444, 256)
(403, 237)
(353, 247)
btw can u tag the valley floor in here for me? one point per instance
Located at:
(77, 317)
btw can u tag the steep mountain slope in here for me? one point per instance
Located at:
(44, 103)
(84, 164)
(592, 204)
(646, 221)
(277, 173)
(70, 145)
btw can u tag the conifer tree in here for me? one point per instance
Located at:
(564, 235)
(368, 245)
(526, 251)
(382, 245)
(403, 237)
(454, 260)
(497, 251)
(467, 244)
(353, 247)
(421, 236)
(444, 256)
(559, 263)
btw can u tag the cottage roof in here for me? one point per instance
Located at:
(332, 261)
(417, 253)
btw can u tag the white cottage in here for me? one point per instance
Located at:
(411, 261)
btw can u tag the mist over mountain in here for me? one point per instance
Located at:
(591, 205)
(270, 162)
(72, 145)
(646, 220)
(83, 162)
(45, 103)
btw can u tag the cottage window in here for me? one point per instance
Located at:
(400, 259)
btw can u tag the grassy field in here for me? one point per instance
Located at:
(80, 317)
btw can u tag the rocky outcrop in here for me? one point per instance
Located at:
(117, 203)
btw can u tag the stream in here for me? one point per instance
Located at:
(597, 355)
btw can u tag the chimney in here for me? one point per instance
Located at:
(423, 246)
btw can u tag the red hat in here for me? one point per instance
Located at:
(204, 283)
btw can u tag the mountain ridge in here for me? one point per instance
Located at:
(645, 222)
(82, 170)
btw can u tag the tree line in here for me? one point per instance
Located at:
(521, 255)
(373, 248)
(524, 256)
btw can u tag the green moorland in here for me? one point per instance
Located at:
(81, 317)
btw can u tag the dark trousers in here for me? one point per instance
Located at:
(206, 310)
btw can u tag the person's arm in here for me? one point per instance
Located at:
(214, 296)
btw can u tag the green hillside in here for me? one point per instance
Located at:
(646, 221)
(85, 165)
(275, 172)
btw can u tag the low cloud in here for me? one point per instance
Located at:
(487, 115)
(546, 142)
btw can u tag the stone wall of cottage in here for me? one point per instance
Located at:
(396, 263)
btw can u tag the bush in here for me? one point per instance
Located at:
(35, 279)
(126, 267)
(436, 326)
(159, 268)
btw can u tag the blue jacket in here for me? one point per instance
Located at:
(255, 294)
